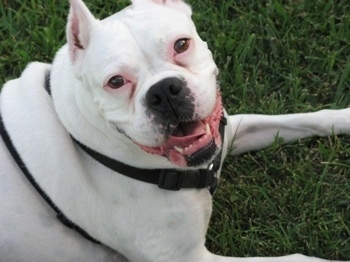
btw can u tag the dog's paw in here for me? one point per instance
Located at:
(344, 121)
(334, 121)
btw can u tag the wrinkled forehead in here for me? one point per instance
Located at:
(130, 37)
(152, 22)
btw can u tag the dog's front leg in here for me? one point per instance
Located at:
(253, 132)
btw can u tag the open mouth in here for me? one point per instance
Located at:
(192, 143)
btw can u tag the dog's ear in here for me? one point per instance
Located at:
(179, 5)
(79, 27)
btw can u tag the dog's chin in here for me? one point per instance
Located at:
(192, 143)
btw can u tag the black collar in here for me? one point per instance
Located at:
(168, 179)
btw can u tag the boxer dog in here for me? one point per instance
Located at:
(112, 152)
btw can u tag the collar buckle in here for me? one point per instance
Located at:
(170, 179)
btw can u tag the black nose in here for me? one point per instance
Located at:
(172, 98)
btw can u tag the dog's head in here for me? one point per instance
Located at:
(151, 76)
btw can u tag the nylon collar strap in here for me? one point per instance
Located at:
(168, 179)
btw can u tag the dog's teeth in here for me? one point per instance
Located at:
(207, 129)
(179, 149)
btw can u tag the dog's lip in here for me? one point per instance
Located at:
(197, 135)
(190, 137)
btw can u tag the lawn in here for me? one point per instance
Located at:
(275, 57)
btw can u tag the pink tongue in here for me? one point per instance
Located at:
(186, 136)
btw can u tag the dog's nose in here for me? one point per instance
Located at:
(170, 97)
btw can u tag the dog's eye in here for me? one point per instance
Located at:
(116, 82)
(182, 45)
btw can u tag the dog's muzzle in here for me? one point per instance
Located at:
(189, 141)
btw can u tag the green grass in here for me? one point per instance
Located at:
(275, 57)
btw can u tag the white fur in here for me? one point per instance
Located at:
(136, 219)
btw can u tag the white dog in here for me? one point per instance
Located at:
(111, 152)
